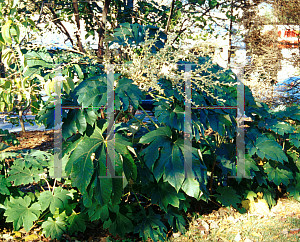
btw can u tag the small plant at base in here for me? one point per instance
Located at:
(51, 206)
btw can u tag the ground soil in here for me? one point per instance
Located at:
(44, 140)
(40, 140)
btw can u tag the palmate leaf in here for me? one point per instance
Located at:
(174, 166)
(163, 194)
(277, 126)
(227, 196)
(175, 220)
(295, 139)
(191, 187)
(75, 121)
(164, 157)
(120, 226)
(88, 169)
(4, 184)
(149, 137)
(170, 162)
(80, 165)
(24, 175)
(174, 118)
(76, 222)
(122, 223)
(56, 200)
(262, 149)
(96, 211)
(126, 92)
(55, 228)
(135, 34)
(92, 91)
(292, 112)
(294, 188)
(40, 157)
(294, 191)
(21, 213)
(278, 175)
(101, 183)
(249, 169)
(195, 174)
(151, 227)
(33, 158)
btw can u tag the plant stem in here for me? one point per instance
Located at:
(145, 197)
(149, 117)
(137, 199)
(49, 187)
(216, 203)
(53, 186)
(140, 122)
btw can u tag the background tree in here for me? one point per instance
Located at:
(263, 47)
(19, 87)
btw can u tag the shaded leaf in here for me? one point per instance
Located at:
(21, 213)
(57, 200)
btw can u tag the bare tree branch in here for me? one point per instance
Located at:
(102, 28)
(170, 16)
(76, 14)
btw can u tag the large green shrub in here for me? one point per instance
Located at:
(154, 194)
(151, 156)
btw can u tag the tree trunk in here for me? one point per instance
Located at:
(22, 121)
(102, 29)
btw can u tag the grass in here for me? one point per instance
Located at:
(245, 227)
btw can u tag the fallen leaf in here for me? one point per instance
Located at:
(176, 235)
(294, 231)
(214, 225)
(17, 234)
(202, 228)
(224, 240)
(31, 237)
(255, 234)
(238, 237)
(205, 225)
(260, 206)
(285, 231)
(7, 237)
